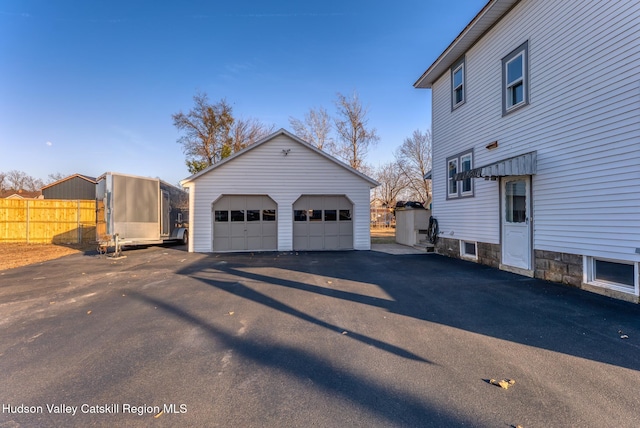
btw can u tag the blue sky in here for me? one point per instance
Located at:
(90, 86)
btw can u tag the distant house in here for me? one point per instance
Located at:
(536, 142)
(20, 194)
(279, 194)
(75, 186)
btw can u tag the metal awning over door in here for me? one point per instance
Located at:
(525, 164)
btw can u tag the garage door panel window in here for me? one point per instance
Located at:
(300, 215)
(330, 215)
(237, 215)
(253, 215)
(315, 215)
(221, 216)
(345, 215)
(268, 215)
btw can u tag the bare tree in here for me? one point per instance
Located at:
(246, 132)
(206, 129)
(354, 139)
(19, 180)
(3, 181)
(413, 158)
(315, 129)
(56, 176)
(392, 183)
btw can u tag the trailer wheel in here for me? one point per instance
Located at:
(185, 237)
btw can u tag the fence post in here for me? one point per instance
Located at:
(79, 231)
(28, 215)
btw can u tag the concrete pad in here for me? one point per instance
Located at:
(396, 249)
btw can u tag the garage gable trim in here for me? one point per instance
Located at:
(373, 183)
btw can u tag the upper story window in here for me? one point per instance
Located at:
(458, 84)
(455, 164)
(515, 79)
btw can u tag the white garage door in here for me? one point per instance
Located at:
(245, 223)
(322, 223)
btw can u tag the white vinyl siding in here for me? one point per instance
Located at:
(586, 128)
(265, 170)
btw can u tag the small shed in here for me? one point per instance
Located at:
(76, 186)
(279, 194)
(412, 223)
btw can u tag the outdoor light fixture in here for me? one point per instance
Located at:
(285, 151)
(492, 145)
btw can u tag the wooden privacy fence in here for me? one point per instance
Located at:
(40, 221)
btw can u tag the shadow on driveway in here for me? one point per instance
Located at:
(445, 291)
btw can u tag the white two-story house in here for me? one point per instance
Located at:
(536, 142)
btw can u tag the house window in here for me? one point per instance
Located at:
(465, 165)
(614, 274)
(458, 84)
(468, 250)
(456, 164)
(452, 167)
(515, 78)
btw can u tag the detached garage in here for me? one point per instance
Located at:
(279, 194)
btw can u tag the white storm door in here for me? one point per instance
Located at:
(516, 212)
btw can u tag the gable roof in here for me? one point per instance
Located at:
(20, 194)
(91, 180)
(490, 14)
(278, 133)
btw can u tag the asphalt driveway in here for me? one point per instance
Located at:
(168, 338)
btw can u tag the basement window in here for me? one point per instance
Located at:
(615, 274)
(469, 250)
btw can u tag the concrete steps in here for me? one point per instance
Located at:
(425, 246)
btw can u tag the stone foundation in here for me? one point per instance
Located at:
(448, 247)
(564, 268)
(488, 254)
(558, 267)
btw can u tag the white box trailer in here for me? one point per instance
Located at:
(134, 210)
